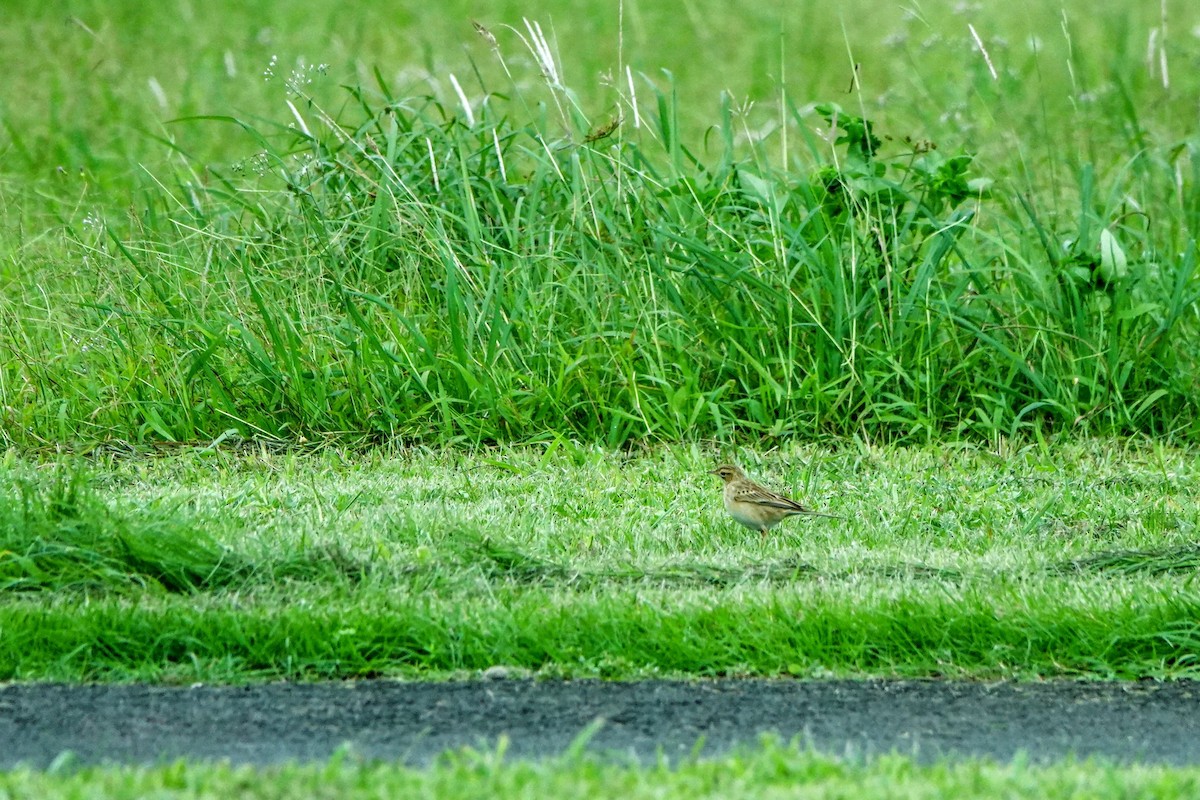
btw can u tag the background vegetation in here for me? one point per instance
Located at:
(358, 224)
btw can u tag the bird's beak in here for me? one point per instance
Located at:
(714, 472)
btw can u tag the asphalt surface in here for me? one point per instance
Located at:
(414, 722)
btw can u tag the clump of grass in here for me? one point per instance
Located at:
(507, 562)
(57, 534)
(1161, 561)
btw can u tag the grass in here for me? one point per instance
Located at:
(217, 565)
(552, 256)
(522, 257)
(771, 770)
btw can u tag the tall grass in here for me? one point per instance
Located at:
(506, 268)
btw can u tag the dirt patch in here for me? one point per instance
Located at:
(414, 722)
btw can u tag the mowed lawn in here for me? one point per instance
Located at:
(1069, 560)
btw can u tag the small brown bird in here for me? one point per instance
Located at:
(754, 506)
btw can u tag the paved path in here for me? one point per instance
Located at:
(416, 721)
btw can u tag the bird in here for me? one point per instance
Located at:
(754, 506)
